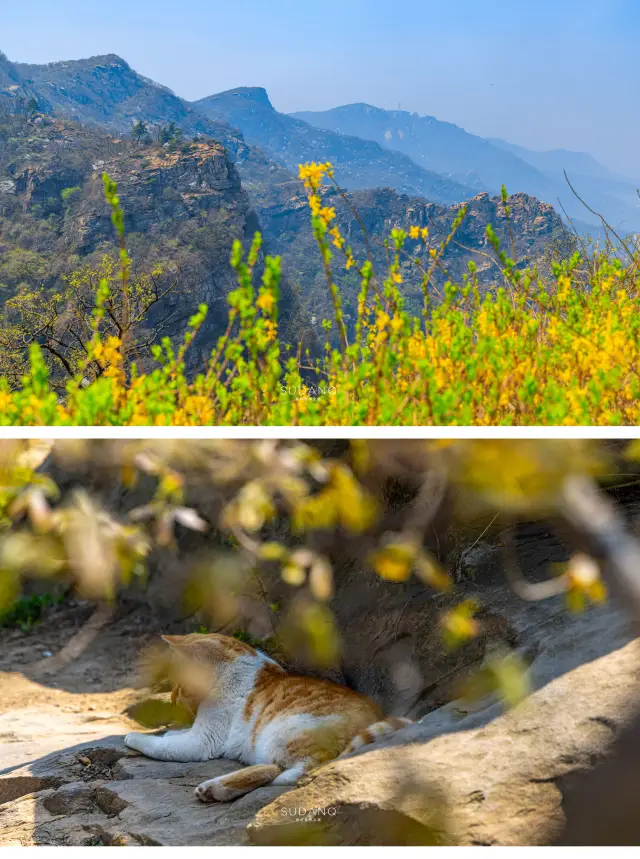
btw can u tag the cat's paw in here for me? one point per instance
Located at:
(214, 791)
(204, 792)
(134, 741)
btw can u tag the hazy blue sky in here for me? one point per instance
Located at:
(542, 73)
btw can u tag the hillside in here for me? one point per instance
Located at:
(266, 146)
(435, 145)
(183, 206)
(536, 228)
(103, 91)
(231, 173)
(358, 163)
(14, 89)
(370, 147)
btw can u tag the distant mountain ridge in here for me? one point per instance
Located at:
(436, 145)
(102, 90)
(615, 196)
(358, 163)
(449, 149)
(369, 147)
(559, 159)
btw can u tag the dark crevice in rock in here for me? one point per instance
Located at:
(109, 802)
(603, 720)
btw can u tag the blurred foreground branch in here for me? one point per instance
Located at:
(598, 527)
(602, 807)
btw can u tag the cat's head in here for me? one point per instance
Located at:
(209, 647)
(195, 660)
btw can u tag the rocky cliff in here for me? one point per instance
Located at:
(184, 206)
(537, 231)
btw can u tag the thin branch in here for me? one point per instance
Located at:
(526, 590)
(600, 528)
(598, 215)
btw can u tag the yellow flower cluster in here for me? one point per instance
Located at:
(558, 350)
(313, 174)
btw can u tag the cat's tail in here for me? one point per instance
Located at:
(376, 732)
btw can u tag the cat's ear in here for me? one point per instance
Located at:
(173, 640)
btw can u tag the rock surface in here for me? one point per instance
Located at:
(71, 781)
(486, 778)
(463, 774)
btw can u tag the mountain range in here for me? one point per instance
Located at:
(359, 163)
(446, 148)
(234, 170)
(369, 147)
(185, 203)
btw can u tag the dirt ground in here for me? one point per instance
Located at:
(102, 678)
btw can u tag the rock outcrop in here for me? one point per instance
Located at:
(90, 791)
(483, 778)
(184, 206)
(161, 189)
(537, 230)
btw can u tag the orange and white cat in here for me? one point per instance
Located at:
(280, 724)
